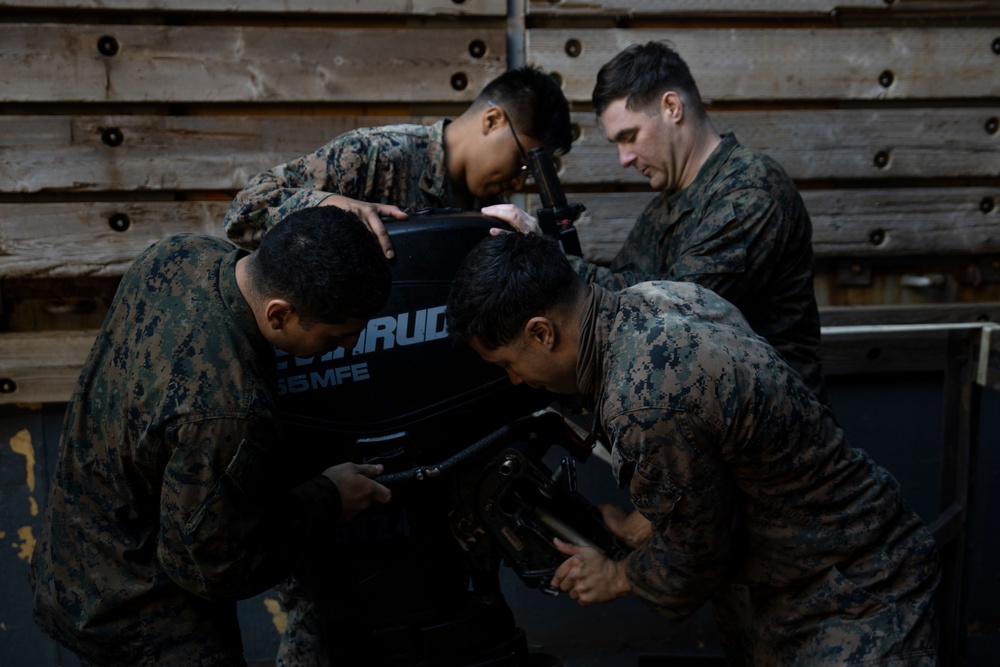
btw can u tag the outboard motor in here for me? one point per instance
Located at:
(415, 581)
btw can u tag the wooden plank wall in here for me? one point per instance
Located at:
(122, 122)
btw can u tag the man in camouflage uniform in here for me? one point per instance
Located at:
(803, 545)
(172, 497)
(379, 171)
(726, 217)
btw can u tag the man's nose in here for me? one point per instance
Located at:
(518, 181)
(625, 157)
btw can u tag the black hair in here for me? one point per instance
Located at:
(505, 281)
(641, 74)
(325, 262)
(536, 104)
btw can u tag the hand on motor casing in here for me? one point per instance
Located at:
(371, 215)
(514, 217)
(357, 488)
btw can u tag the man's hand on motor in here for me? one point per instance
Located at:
(589, 576)
(371, 215)
(514, 217)
(357, 488)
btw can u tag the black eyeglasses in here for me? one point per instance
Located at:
(510, 123)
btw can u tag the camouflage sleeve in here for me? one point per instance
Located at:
(227, 527)
(678, 481)
(640, 257)
(301, 183)
(729, 249)
(602, 275)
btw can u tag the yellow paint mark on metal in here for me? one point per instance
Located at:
(21, 444)
(27, 546)
(278, 616)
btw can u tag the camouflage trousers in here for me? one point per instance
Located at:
(302, 642)
(834, 620)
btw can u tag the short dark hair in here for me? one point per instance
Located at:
(325, 262)
(641, 74)
(536, 104)
(505, 281)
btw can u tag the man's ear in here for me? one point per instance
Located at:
(542, 331)
(492, 118)
(279, 313)
(672, 106)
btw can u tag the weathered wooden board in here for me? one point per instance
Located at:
(66, 63)
(42, 367)
(830, 144)
(78, 239)
(640, 9)
(69, 153)
(390, 7)
(82, 239)
(846, 223)
(793, 63)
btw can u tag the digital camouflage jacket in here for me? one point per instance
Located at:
(805, 546)
(740, 229)
(171, 497)
(403, 165)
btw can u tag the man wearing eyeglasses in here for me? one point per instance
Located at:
(377, 172)
(465, 163)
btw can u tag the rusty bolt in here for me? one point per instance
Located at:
(996, 46)
(881, 159)
(886, 78)
(992, 125)
(7, 386)
(986, 204)
(573, 48)
(877, 237)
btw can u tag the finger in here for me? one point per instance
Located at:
(378, 229)
(506, 212)
(496, 231)
(381, 493)
(559, 577)
(391, 211)
(370, 469)
(566, 547)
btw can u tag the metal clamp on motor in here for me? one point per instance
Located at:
(523, 505)
(556, 217)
